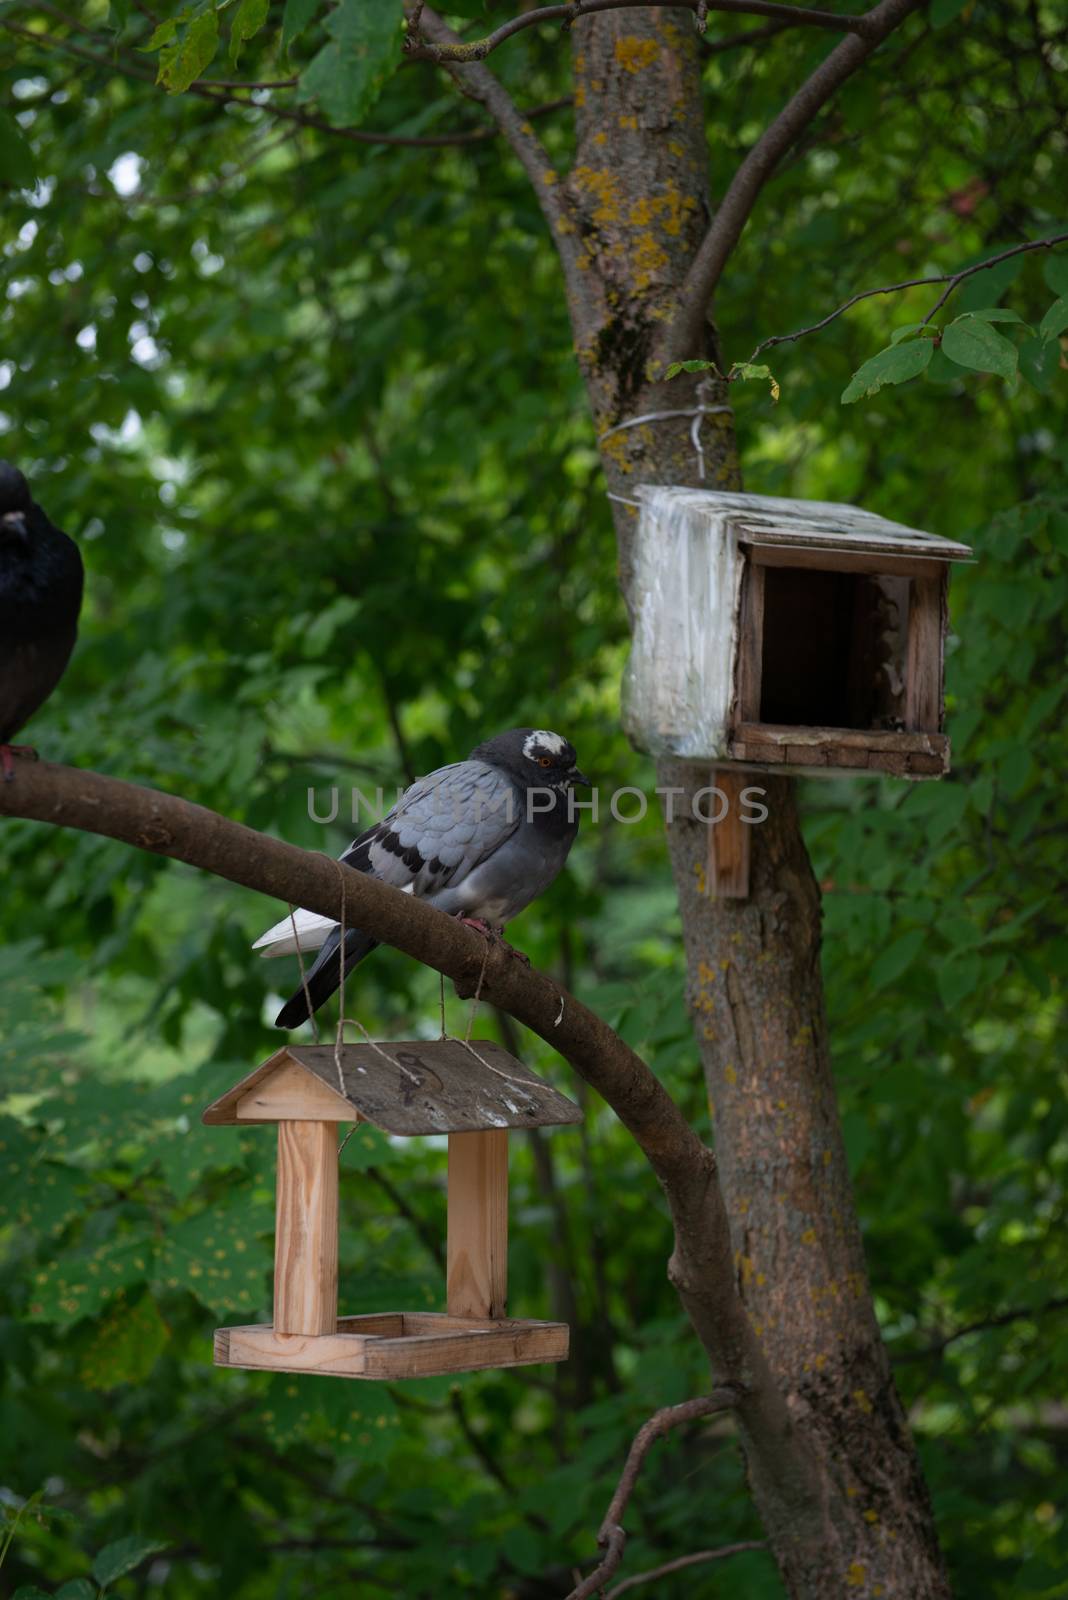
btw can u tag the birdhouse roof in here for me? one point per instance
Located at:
(407, 1087)
(815, 524)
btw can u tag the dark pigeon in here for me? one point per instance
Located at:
(40, 597)
(463, 838)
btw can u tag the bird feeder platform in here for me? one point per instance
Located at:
(475, 1093)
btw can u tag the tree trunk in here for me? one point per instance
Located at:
(861, 1523)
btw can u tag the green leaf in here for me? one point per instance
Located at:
(943, 12)
(1000, 314)
(985, 288)
(746, 369)
(1055, 321)
(1040, 361)
(115, 1560)
(118, 14)
(182, 64)
(959, 978)
(347, 75)
(30, 1591)
(1055, 272)
(162, 34)
(976, 345)
(251, 15)
(907, 331)
(896, 364)
(220, 1255)
(77, 1589)
(897, 958)
(295, 18)
(75, 1286)
(126, 1345)
(688, 366)
(17, 167)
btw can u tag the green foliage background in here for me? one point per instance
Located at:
(310, 408)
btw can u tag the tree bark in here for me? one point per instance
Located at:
(857, 1520)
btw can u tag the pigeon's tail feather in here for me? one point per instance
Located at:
(325, 976)
(312, 932)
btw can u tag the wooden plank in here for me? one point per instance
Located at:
(767, 733)
(476, 1270)
(843, 755)
(338, 1353)
(750, 646)
(928, 765)
(893, 761)
(305, 1245)
(728, 841)
(923, 671)
(449, 1344)
(422, 1355)
(831, 560)
(812, 755)
(293, 1094)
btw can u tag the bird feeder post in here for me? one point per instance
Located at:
(476, 1269)
(306, 1239)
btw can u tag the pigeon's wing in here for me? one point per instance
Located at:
(440, 829)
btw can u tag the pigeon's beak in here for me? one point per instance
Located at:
(13, 526)
(575, 776)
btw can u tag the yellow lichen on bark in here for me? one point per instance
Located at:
(634, 54)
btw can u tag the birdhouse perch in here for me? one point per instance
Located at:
(473, 1093)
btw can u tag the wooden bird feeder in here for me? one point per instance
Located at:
(788, 636)
(475, 1094)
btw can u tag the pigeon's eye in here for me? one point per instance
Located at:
(545, 761)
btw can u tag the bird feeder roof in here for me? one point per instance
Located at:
(406, 1087)
(814, 524)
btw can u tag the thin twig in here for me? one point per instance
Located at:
(1002, 1320)
(479, 49)
(733, 212)
(951, 279)
(612, 1536)
(682, 1562)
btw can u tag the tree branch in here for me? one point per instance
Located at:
(300, 119)
(682, 1562)
(479, 84)
(612, 1536)
(951, 279)
(701, 1266)
(683, 334)
(460, 50)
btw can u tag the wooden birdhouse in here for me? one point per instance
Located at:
(787, 635)
(473, 1093)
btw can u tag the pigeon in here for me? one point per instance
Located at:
(40, 597)
(479, 839)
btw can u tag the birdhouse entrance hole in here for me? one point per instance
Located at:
(845, 666)
(475, 1093)
(840, 661)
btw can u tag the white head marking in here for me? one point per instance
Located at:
(542, 739)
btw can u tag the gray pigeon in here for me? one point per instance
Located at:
(479, 839)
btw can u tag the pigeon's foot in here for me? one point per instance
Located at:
(495, 936)
(8, 752)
